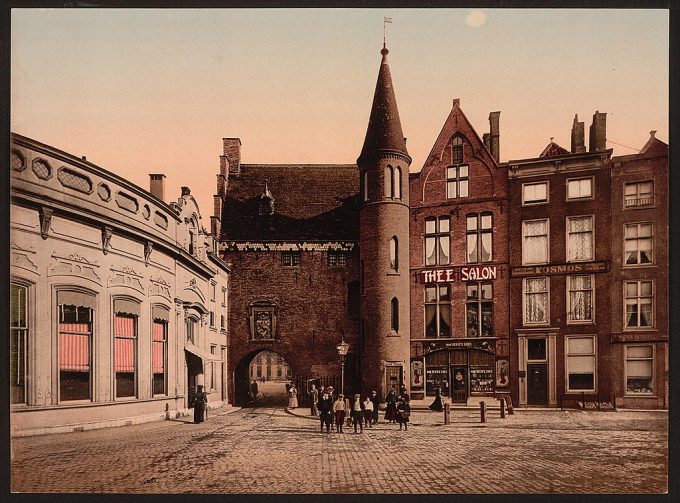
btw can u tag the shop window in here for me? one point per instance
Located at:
(638, 244)
(125, 327)
(457, 182)
(536, 299)
(18, 342)
(395, 314)
(290, 258)
(394, 253)
(640, 369)
(535, 242)
(580, 306)
(437, 311)
(75, 343)
(479, 237)
(457, 150)
(638, 194)
(580, 188)
(437, 241)
(581, 361)
(639, 304)
(580, 238)
(479, 310)
(337, 258)
(159, 356)
(535, 193)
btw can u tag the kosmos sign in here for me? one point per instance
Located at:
(476, 273)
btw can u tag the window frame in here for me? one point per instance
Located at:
(578, 179)
(478, 233)
(652, 393)
(546, 322)
(388, 180)
(571, 321)
(135, 355)
(625, 304)
(547, 241)
(295, 257)
(626, 239)
(592, 355)
(394, 315)
(457, 179)
(23, 364)
(479, 301)
(437, 303)
(537, 202)
(337, 258)
(652, 202)
(91, 344)
(457, 144)
(436, 235)
(165, 324)
(569, 233)
(394, 254)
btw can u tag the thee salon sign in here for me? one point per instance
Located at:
(473, 273)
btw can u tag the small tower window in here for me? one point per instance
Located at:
(397, 183)
(191, 242)
(457, 150)
(365, 186)
(395, 314)
(389, 182)
(394, 253)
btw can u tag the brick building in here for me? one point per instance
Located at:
(459, 265)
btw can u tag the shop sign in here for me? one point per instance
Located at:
(451, 275)
(417, 374)
(481, 380)
(637, 337)
(502, 374)
(552, 269)
(437, 377)
(481, 345)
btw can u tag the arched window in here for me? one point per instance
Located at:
(159, 333)
(365, 186)
(457, 150)
(395, 314)
(389, 182)
(394, 253)
(397, 183)
(125, 327)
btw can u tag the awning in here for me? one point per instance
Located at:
(201, 353)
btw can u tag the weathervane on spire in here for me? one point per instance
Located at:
(385, 21)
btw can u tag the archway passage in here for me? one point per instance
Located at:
(270, 372)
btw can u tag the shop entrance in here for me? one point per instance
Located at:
(460, 373)
(194, 368)
(537, 385)
(394, 377)
(459, 384)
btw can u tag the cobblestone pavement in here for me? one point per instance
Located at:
(266, 450)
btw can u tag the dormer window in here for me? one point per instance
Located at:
(457, 150)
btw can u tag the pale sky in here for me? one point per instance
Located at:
(144, 91)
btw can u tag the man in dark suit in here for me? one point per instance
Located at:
(325, 407)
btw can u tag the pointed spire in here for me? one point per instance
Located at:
(384, 127)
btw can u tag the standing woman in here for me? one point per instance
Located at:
(403, 413)
(391, 410)
(437, 405)
(200, 403)
(292, 397)
(339, 411)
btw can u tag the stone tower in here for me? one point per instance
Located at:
(384, 243)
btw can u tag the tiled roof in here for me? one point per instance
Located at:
(553, 149)
(311, 202)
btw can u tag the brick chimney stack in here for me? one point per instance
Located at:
(157, 185)
(494, 135)
(232, 156)
(578, 139)
(598, 133)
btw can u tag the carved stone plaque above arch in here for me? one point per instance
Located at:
(126, 276)
(74, 265)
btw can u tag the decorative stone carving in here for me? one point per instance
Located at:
(159, 287)
(21, 258)
(74, 265)
(45, 221)
(148, 247)
(126, 276)
(107, 232)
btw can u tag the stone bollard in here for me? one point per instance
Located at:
(508, 399)
(482, 411)
(502, 408)
(447, 413)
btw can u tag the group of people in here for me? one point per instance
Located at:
(363, 413)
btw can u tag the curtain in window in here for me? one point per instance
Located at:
(430, 251)
(580, 297)
(472, 248)
(124, 349)
(158, 357)
(443, 249)
(536, 300)
(486, 247)
(74, 347)
(444, 320)
(536, 242)
(431, 321)
(580, 238)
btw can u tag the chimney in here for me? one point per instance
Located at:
(157, 185)
(494, 136)
(598, 133)
(652, 134)
(578, 137)
(232, 154)
(485, 140)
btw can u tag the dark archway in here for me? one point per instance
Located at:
(270, 371)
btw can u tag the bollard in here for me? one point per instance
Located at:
(482, 411)
(508, 399)
(447, 413)
(502, 408)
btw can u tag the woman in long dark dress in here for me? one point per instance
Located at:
(391, 406)
(437, 405)
(403, 413)
(200, 403)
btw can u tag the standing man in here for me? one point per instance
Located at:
(376, 406)
(314, 399)
(325, 409)
(253, 390)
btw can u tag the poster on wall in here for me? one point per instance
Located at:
(481, 380)
(502, 373)
(417, 374)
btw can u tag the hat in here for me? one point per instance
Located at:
(357, 395)
(373, 392)
(341, 394)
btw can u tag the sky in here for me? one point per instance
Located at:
(155, 90)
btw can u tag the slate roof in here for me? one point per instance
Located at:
(311, 202)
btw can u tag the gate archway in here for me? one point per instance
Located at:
(270, 371)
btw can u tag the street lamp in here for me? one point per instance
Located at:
(342, 348)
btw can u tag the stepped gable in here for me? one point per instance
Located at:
(312, 202)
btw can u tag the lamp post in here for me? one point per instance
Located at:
(342, 348)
